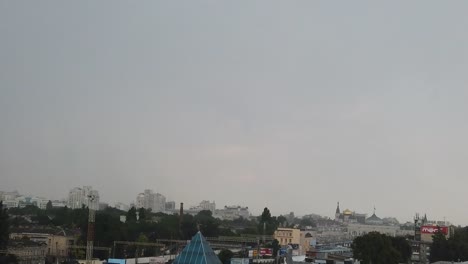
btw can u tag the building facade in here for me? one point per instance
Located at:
(58, 242)
(232, 212)
(288, 236)
(85, 196)
(148, 199)
(170, 206)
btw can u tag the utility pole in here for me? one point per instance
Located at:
(264, 227)
(90, 236)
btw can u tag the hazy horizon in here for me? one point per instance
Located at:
(292, 106)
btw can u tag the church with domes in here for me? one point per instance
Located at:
(351, 217)
(348, 216)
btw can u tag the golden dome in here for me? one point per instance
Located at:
(347, 212)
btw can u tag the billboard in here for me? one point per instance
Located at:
(434, 229)
(268, 252)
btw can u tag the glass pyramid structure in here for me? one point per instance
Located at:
(198, 251)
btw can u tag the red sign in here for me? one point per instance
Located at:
(434, 229)
(266, 252)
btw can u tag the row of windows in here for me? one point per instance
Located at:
(284, 233)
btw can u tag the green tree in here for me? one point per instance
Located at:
(4, 227)
(306, 222)
(403, 247)
(375, 248)
(49, 206)
(452, 249)
(225, 256)
(282, 220)
(207, 224)
(188, 227)
(131, 215)
(275, 245)
(267, 224)
(141, 214)
(439, 248)
(9, 259)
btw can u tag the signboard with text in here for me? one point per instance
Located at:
(434, 229)
(266, 252)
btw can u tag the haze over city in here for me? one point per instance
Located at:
(290, 106)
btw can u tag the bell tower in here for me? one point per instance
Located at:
(337, 213)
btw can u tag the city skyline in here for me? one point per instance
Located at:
(290, 106)
(205, 204)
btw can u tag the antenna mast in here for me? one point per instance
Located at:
(90, 235)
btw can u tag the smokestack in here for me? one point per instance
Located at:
(181, 214)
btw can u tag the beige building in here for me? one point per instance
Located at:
(57, 241)
(307, 237)
(27, 252)
(286, 236)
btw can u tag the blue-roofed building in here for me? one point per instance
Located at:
(198, 251)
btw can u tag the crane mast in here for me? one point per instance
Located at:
(90, 235)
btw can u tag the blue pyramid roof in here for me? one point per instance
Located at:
(198, 251)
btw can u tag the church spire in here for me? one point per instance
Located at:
(338, 208)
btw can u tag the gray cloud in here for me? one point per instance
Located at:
(293, 106)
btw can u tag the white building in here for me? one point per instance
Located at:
(232, 212)
(5, 196)
(121, 206)
(207, 205)
(151, 200)
(170, 206)
(14, 199)
(355, 230)
(59, 204)
(77, 197)
(39, 202)
(9, 199)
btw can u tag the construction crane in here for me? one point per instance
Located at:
(90, 236)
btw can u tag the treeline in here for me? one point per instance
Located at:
(143, 224)
(455, 248)
(380, 248)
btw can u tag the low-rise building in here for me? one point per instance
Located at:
(307, 241)
(355, 230)
(58, 204)
(288, 236)
(27, 252)
(57, 240)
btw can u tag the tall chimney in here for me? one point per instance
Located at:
(181, 215)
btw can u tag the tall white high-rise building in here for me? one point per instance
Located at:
(77, 197)
(207, 205)
(159, 203)
(151, 200)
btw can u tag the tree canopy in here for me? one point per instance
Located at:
(375, 248)
(4, 227)
(452, 249)
(225, 256)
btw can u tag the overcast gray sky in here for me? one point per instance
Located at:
(293, 105)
